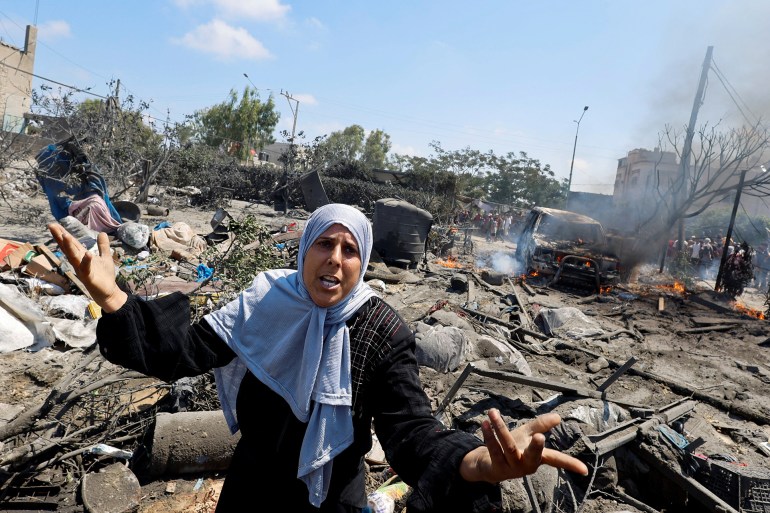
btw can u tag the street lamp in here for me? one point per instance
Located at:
(574, 147)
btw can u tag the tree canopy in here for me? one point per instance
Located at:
(239, 124)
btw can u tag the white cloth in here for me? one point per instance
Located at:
(298, 349)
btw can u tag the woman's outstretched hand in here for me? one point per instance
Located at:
(517, 453)
(96, 272)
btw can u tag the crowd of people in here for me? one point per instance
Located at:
(494, 226)
(705, 255)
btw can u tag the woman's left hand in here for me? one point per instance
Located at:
(517, 453)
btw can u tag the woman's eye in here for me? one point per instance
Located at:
(351, 250)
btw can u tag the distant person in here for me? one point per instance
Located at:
(706, 258)
(762, 267)
(695, 252)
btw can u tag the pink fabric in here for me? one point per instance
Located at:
(92, 212)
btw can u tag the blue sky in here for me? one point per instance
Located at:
(509, 76)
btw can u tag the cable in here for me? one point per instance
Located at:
(748, 217)
(53, 81)
(730, 90)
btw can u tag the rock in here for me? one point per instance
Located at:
(115, 489)
(446, 318)
(441, 347)
(488, 347)
(598, 364)
(377, 285)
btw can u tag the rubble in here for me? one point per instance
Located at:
(654, 395)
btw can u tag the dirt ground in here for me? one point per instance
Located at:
(681, 346)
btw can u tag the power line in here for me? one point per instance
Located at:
(53, 81)
(730, 91)
(41, 43)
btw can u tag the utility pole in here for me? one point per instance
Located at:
(574, 147)
(294, 110)
(285, 185)
(697, 102)
(718, 286)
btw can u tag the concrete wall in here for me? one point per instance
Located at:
(16, 81)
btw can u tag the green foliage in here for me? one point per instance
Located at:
(350, 153)
(195, 165)
(238, 125)
(682, 269)
(520, 181)
(376, 150)
(344, 145)
(250, 251)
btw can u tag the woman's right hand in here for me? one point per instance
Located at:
(96, 272)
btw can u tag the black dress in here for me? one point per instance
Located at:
(157, 339)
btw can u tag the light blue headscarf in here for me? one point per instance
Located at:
(298, 349)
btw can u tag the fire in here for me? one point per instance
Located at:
(450, 262)
(605, 290)
(677, 287)
(751, 312)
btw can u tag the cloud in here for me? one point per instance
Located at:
(225, 42)
(402, 149)
(52, 30)
(305, 99)
(315, 23)
(261, 10)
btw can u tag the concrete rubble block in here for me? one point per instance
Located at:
(191, 443)
(488, 347)
(442, 348)
(598, 364)
(446, 318)
(114, 489)
(493, 277)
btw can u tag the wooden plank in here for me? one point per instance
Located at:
(69, 273)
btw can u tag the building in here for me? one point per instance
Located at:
(16, 68)
(643, 175)
(273, 152)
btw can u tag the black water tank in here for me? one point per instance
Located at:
(400, 230)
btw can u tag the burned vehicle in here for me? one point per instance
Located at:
(567, 247)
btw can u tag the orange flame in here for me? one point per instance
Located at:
(605, 290)
(751, 312)
(677, 287)
(450, 262)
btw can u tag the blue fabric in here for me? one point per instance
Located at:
(56, 164)
(203, 272)
(298, 349)
(161, 225)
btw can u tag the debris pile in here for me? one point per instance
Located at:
(664, 400)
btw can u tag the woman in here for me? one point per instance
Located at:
(305, 360)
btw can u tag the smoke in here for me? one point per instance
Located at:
(505, 263)
(738, 32)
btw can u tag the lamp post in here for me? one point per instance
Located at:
(574, 147)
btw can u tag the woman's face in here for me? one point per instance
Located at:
(332, 266)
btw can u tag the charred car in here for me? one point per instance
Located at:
(568, 247)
